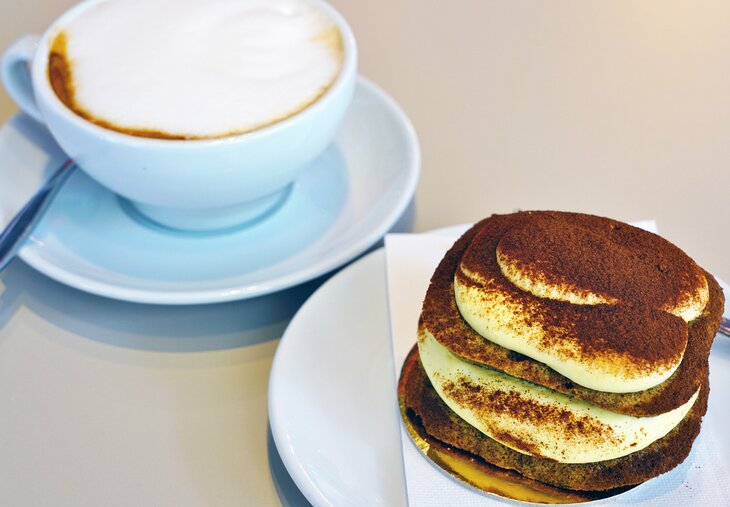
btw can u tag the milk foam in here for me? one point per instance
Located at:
(200, 68)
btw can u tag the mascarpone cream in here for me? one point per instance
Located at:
(515, 324)
(535, 420)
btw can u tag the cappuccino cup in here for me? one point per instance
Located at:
(200, 114)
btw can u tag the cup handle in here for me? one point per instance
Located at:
(15, 71)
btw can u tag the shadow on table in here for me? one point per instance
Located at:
(122, 332)
(150, 327)
(184, 328)
(289, 494)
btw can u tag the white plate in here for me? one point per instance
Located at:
(332, 401)
(344, 203)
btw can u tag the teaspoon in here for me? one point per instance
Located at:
(725, 326)
(22, 224)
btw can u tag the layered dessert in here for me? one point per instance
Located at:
(569, 348)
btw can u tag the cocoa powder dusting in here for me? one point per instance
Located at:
(441, 318)
(602, 256)
(489, 405)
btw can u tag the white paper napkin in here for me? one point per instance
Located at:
(702, 480)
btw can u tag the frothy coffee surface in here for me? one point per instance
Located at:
(192, 69)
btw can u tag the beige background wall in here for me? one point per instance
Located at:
(615, 108)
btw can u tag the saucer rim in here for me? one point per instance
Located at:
(412, 169)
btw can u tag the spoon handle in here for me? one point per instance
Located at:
(725, 326)
(22, 224)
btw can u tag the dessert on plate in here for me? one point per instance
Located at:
(567, 348)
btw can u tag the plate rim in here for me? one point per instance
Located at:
(412, 169)
(278, 430)
(301, 479)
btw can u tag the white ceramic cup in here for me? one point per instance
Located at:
(184, 184)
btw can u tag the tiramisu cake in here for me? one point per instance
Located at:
(570, 348)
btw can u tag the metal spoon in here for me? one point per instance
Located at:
(725, 326)
(22, 224)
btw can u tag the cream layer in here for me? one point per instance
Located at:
(506, 322)
(534, 420)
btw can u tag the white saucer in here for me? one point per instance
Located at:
(333, 410)
(344, 203)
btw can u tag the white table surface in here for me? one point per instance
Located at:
(614, 108)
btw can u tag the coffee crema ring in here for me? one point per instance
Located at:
(441, 317)
(218, 69)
